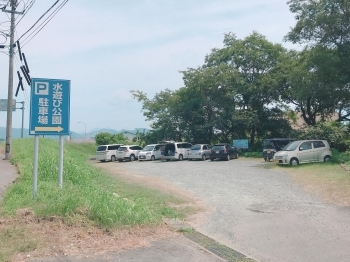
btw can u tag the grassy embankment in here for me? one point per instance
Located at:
(88, 197)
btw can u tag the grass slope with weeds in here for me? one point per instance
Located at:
(329, 181)
(90, 202)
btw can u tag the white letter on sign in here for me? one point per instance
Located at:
(42, 88)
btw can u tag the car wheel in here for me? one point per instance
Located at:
(102, 160)
(152, 158)
(294, 162)
(120, 160)
(132, 158)
(211, 159)
(112, 158)
(327, 158)
(181, 157)
(227, 157)
(204, 157)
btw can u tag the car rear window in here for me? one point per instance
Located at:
(196, 147)
(122, 148)
(218, 147)
(102, 148)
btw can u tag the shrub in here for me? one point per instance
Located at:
(340, 158)
(334, 132)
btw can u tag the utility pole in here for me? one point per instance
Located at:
(10, 84)
(22, 116)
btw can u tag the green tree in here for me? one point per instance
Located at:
(324, 25)
(105, 138)
(253, 74)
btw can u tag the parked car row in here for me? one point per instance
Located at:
(166, 150)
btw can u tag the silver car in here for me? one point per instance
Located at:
(199, 151)
(151, 152)
(304, 151)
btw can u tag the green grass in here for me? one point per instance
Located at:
(88, 194)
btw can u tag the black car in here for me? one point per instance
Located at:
(273, 145)
(223, 151)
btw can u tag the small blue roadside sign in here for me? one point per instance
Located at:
(49, 107)
(240, 143)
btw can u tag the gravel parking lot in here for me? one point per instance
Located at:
(259, 212)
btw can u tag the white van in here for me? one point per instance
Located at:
(107, 152)
(176, 150)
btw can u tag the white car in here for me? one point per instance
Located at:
(304, 151)
(176, 150)
(107, 152)
(129, 152)
(150, 152)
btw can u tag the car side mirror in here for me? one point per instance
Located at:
(301, 149)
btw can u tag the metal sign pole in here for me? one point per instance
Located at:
(60, 164)
(35, 171)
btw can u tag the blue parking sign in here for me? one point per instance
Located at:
(49, 107)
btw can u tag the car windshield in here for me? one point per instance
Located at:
(196, 147)
(148, 148)
(291, 146)
(218, 147)
(269, 144)
(101, 148)
(122, 148)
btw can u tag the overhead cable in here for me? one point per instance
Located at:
(48, 18)
(39, 19)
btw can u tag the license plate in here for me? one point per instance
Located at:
(142, 157)
(268, 151)
(217, 152)
(276, 161)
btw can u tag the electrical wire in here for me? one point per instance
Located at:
(48, 18)
(26, 96)
(38, 20)
(26, 8)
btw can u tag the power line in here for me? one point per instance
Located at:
(49, 18)
(38, 20)
(29, 6)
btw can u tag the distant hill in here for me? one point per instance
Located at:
(16, 133)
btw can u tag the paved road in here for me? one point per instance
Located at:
(257, 211)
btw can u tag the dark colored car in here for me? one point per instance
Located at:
(223, 151)
(273, 145)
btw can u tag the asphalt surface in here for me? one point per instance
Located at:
(257, 211)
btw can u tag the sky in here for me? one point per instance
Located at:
(108, 47)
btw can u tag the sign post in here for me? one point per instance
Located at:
(49, 115)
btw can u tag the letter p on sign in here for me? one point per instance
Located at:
(41, 88)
